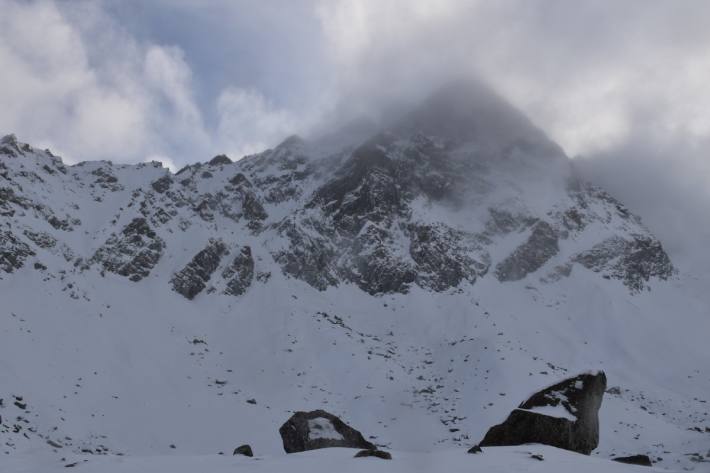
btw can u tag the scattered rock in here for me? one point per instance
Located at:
(537, 456)
(251, 401)
(54, 444)
(642, 460)
(319, 429)
(244, 450)
(374, 453)
(547, 417)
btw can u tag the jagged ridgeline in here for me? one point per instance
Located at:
(462, 188)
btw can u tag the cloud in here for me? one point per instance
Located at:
(585, 71)
(92, 91)
(249, 123)
(620, 84)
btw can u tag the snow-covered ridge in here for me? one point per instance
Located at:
(433, 207)
(418, 283)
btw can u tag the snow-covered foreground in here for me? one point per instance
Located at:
(492, 460)
(135, 369)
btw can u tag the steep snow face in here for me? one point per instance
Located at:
(419, 284)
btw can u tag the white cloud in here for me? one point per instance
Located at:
(249, 123)
(103, 96)
(587, 72)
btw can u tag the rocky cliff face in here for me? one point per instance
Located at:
(462, 188)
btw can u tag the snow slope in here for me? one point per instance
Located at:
(499, 459)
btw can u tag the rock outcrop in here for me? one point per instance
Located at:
(240, 273)
(193, 278)
(374, 453)
(243, 450)
(564, 415)
(319, 429)
(641, 460)
(133, 253)
(531, 255)
(13, 252)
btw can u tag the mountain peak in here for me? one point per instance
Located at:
(468, 110)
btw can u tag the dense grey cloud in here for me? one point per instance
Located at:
(619, 84)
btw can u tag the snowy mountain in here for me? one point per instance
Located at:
(419, 283)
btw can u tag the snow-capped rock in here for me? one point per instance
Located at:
(564, 415)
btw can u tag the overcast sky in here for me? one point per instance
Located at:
(621, 83)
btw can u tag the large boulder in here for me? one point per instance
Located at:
(319, 429)
(641, 460)
(564, 415)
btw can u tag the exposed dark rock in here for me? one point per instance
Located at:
(132, 253)
(632, 261)
(319, 429)
(240, 179)
(475, 449)
(162, 184)
(502, 222)
(309, 256)
(9, 146)
(220, 159)
(41, 239)
(13, 252)
(580, 397)
(364, 190)
(54, 444)
(374, 264)
(444, 256)
(193, 278)
(642, 460)
(106, 180)
(374, 453)
(243, 450)
(240, 273)
(531, 255)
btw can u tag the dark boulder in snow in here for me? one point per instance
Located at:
(319, 429)
(564, 415)
(475, 449)
(642, 460)
(192, 279)
(374, 453)
(243, 450)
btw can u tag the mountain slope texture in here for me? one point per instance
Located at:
(419, 283)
